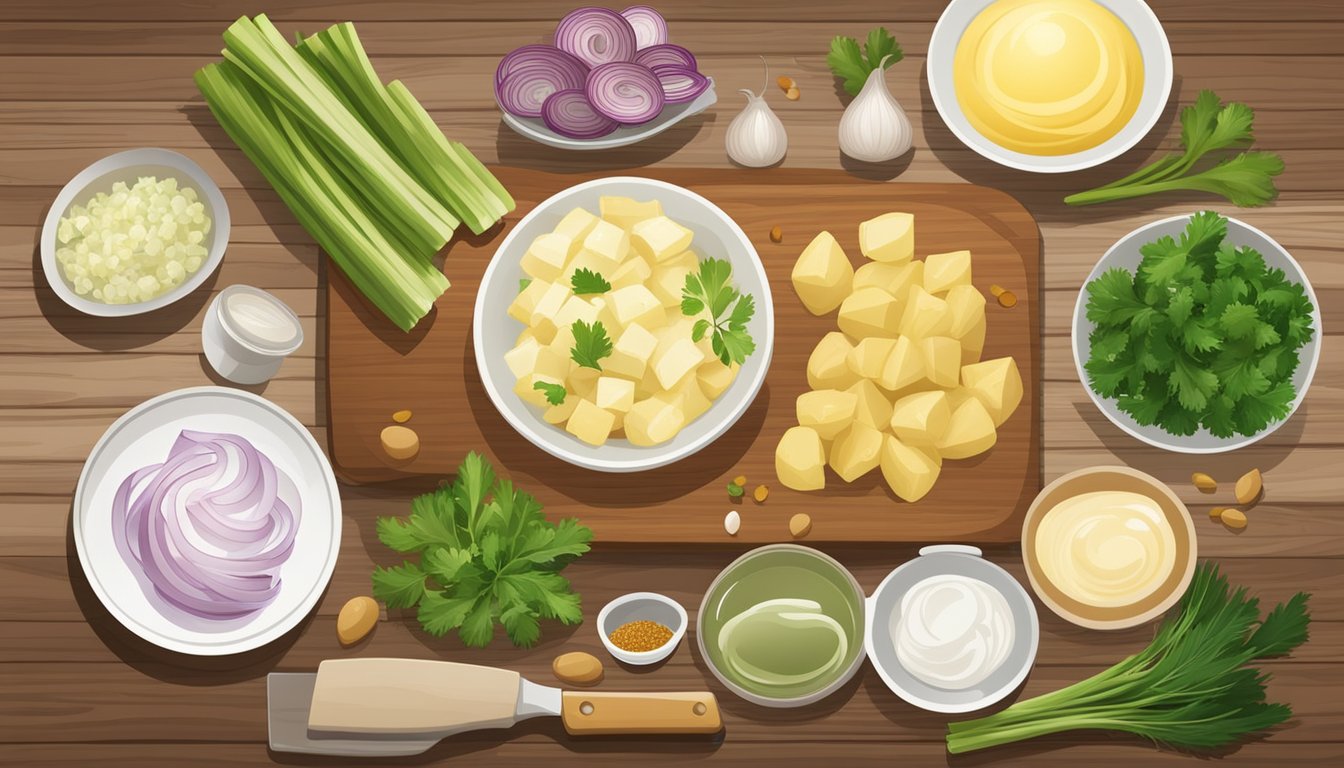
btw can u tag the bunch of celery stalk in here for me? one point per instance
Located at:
(361, 164)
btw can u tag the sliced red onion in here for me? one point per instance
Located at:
(547, 54)
(666, 55)
(210, 527)
(624, 92)
(536, 76)
(568, 113)
(596, 35)
(649, 25)
(680, 84)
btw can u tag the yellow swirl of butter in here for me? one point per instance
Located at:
(1048, 77)
(1106, 548)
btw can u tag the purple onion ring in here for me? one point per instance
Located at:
(624, 92)
(666, 54)
(649, 25)
(680, 85)
(596, 36)
(569, 114)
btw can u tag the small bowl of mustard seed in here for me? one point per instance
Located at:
(642, 627)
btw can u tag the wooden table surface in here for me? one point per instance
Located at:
(80, 80)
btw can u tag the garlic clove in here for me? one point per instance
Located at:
(756, 137)
(874, 128)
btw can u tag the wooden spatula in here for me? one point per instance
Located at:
(403, 706)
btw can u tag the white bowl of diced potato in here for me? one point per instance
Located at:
(659, 395)
(900, 385)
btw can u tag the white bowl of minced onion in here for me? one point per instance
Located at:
(134, 232)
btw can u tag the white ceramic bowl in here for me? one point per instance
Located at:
(535, 129)
(958, 560)
(1125, 255)
(128, 167)
(494, 331)
(642, 606)
(1157, 67)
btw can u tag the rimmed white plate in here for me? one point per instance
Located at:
(143, 436)
(535, 129)
(1157, 78)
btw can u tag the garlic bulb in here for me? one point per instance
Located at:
(756, 137)
(874, 128)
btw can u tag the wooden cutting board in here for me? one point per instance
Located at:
(374, 369)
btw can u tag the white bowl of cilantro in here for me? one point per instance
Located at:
(1197, 334)
(552, 331)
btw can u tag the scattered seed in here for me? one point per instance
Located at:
(760, 493)
(732, 523)
(740, 480)
(356, 620)
(1233, 518)
(1216, 513)
(401, 417)
(792, 94)
(1204, 482)
(735, 491)
(577, 668)
(776, 234)
(785, 82)
(800, 525)
(1008, 299)
(996, 289)
(1249, 487)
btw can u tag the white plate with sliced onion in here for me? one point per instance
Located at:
(207, 521)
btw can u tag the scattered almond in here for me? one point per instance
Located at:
(1007, 299)
(776, 234)
(996, 289)
(800, 525)
(760, 493)
(1233, 518)
(577, 668)
(792, 94)
(785, 82)
(1204, 482)
(1249, 487)
(1216, 513)
(356, 620)
(740, 480)
(401, 417)
(400, 443)
(732, 523)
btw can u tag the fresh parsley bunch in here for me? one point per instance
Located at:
(853, 66)
(707, 289)
(1203, 334)
(486, 553)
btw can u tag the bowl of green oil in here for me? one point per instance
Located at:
(783, 626)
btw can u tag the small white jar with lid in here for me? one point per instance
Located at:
(248, 333)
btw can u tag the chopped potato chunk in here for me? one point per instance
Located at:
(868, 357)
(997, 384)
(970, 431)
(871, 407)
(800, 460)
(828, 366)
(925, 315)
(942, 360)
(609, 243)
(910, 471)
(869, 312)
(904, 366)
(856, 452)
(921, 418)
(828, 411)
(942, 271)
(625, 212)
(822, 276)
(660, 238)
(889, 237)
(576, 225)
(589, 423)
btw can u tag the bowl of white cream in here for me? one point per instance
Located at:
(248, 333)
(950, 631)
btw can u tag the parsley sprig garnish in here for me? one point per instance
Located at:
(853, 66)
(1206, 126)
(555, 393)
(586, 281)
(591, 344)
(708, 288)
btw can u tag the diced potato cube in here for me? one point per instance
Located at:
(667, 284)
(614, 393)
(942, 360)
(631, 272)
(609, 242)
(676, 360)
(582, 381)
(869, 356)
(586, 259)
(828, 411)
(576, 224)
(617, 423)
(910, 471)
(625, 212)
(942, 271)
(686, 259)
(904, 366)
(530, 394)
(631, 352)
(965, 308)
(822, 276)
(871, 407)
(828, 366)
(525, 303)
(997, 384)
(970, 431)
(522, 359)
(548, 306)
(637, 304)
(652, 421)
(921, 418)
(562, 342)
(589, 423)
(559, 414)
(690, 399)
(524, 335)
(576, 308)
(856, 452)
(659, 238)
(551, 364)
(889, 237)
(547, 256)
(894, 278)
(973, 343)
(714, 377)
(925, 315)
(869, 312)
(800, 460)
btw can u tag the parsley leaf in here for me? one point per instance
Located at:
(587, 281)
(1203, 334)
(707, 291)
(555, 393)
(1208, 125)
(487, 553)
(591, 343)
(852, 66)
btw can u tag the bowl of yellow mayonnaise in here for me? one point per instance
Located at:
(1108, 547)
(1049, 86)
